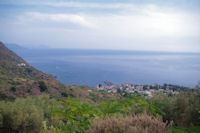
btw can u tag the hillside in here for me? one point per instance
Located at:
(15, 67)
(19, 79)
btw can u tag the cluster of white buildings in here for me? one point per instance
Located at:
(129, 88)
(21, 65)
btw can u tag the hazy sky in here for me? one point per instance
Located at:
(159, 25)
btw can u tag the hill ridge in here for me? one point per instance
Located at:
(19, 79)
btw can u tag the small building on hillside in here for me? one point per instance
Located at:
(21, 65)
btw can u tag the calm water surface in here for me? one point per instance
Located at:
(90, 67)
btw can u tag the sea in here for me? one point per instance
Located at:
(93, 67)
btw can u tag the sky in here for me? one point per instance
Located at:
(149, 25)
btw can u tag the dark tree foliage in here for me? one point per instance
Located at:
(25, 115)
(13, 89)
(64, 94)
(42, 86)
(183, 109)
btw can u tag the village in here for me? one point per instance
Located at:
(147, 90)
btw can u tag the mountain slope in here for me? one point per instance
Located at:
(19, 79)
(14, 66)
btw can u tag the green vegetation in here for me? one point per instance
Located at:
(25, 114)
(192, 129)
(77, 116)
(161, 113)
(64, 94)
(42, 86)
(74, 116)
(13, 89)
(182, 108)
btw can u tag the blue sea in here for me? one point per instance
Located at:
(91, 67)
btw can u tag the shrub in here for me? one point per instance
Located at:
(26, 114)
(1, 121)
(64, 94)
(13, 89)
(28, 90)
(192, 129)
(42, 86)
(133, 104)
(20, 116)
(182, 108)
(74, 115)
(28, 70)
(129, 124)
(51, 129)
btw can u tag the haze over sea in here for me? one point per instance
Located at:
(91, 67)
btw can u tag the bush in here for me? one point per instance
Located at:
(1, 121)
(51, 129)
(42, 86)
(64, 94)
(74, 116)
(182, 108)
(192, 129)
(13, 89)
(26, 114)
(20, 116)
(129, 124)
(133, 104)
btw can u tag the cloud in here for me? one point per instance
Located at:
(65, 4)
(107, 26)
(149, 21)
(57, 19)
